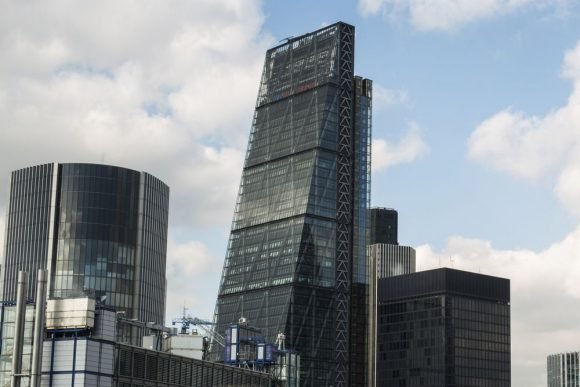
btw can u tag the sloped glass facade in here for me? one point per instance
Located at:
(297, 247)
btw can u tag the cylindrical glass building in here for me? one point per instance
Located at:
(100, 230)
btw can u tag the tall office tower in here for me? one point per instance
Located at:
(393, 259)
(390, 258)
(564, 370)
(384, 226)
(444, 327)
(296, 259)
(100, 231)
(386, 259)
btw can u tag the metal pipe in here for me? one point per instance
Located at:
(38, 338)
(74, 361)
(372, 254)
(51, 374)
(19, 328)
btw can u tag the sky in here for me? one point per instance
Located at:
(476, 128)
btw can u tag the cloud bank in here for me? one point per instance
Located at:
(386, 154)
(163, 86)
(194, 274)
(545, 288)
(384, 98)
(447, 15)
(545, 295)
(535, 147)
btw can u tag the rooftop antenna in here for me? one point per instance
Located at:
(184, 320)
(286, 39)
(184, 310)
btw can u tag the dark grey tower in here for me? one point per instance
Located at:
(390, 258)
(444, 327)
(296, 260)
(384, 226)
(99, 230)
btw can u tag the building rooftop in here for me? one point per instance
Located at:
(444, 281)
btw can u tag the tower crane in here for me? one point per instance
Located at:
(207, 326)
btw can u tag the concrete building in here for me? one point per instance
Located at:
(386, 259)
(83, 350)
(391, 258)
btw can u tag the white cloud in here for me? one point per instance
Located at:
(447, 14)
(383, 97)
(544, 300)
(168, 88)
(386, 154)
(193, 273)
(370, 7)
(533, 147)
(567, 188)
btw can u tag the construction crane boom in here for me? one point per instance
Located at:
(206, 325)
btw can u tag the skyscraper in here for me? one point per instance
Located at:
(443, 327)
(384, 226)
(391, 258)
(296, 260)
(100, 231)
(386, 259)
(564, 369)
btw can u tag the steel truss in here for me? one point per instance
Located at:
(345, 200)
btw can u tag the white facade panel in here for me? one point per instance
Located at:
(90, 356)
(189, 353)
(81, 352)
(107, 359)
(393, 260)
(564, 370)
(105, 325)
(70, 313)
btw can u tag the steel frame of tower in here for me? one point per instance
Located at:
(344, 232)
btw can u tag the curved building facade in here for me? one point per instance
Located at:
(100, 230)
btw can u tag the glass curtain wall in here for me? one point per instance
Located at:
(97, 234)
(280, 270)
(444, 327)
(28, 227)
(100, 230)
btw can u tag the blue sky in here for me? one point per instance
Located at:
(454, 80)
(476, 129)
